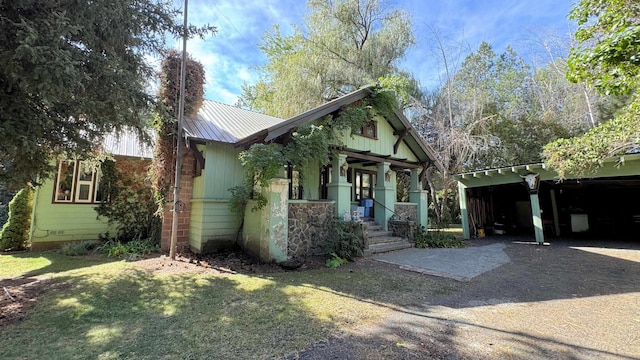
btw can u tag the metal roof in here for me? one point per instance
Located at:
(225, 123)
(127, 143)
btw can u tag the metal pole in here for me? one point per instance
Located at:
(176, 188)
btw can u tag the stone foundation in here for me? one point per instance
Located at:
(406, 211)
(403, 228)
(308, 226)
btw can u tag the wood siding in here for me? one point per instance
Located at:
(383, 145)
(59, 222)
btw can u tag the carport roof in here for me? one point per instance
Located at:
(626, 165)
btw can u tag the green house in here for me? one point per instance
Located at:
(63, 207)
(361, 178)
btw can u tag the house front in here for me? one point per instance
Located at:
(360, 177)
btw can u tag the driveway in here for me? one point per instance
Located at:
(460, 264)
(570, 300)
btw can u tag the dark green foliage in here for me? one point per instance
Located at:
(345, 239)
(129, 201)
(15, 233)
(72, 71)
(437, 239)
(131, 250)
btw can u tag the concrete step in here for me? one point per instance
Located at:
(373, 227)
(385, 239)
(379, 233)
(386, 247)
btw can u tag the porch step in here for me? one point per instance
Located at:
(386, 247)
(380, 241)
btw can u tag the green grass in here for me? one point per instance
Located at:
(116, 310)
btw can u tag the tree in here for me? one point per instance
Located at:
(14, 234)
(607, 58)
(608, 38)
(347, 44)
(72, 71)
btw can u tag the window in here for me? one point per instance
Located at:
(295, 185)
(76, 184)
(369, 130)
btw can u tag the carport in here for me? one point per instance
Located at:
(530, 200)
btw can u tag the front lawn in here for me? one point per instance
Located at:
(105, 309)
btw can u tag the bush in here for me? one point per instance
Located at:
(15, 232)
(345, 239)
(425, 239)
(131, 250)
(129, 201)
(79, 248)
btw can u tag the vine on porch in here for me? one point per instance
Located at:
(310, 144)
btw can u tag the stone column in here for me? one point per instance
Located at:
(464, 213)
(339, 190)
(420, 197)
(274, 225)
(385, 195)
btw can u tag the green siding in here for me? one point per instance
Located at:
(222, 171)
(211, 220)
(383, 144)
(55, 222)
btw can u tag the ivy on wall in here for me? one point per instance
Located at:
(165, 122)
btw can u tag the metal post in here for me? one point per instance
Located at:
(176, 188)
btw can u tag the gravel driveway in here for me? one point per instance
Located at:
(571, 300)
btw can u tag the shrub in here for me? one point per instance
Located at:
(79, 248)
(345, 239)
(335, 261)
(129, 201)
(131, 250)
(15, 232)
(425, 239)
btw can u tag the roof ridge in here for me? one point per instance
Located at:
(241, 108)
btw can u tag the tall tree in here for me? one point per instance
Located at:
(608, 38)
(346, 44)
(606, 57)
(73, 70)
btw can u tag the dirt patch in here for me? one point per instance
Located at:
(19, 295)
(233, 262)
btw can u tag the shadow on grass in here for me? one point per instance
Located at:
(130, 313)
(30, 264)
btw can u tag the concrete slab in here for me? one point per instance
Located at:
(460, 264)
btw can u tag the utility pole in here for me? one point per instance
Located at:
(177, 205)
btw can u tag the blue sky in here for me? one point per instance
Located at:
(231, 56)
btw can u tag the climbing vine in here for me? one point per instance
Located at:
(165, 122)
(584, 154)
(310, 144)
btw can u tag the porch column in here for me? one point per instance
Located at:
(420, 197)
(339, 190)
(385, 200)
(537, 218)
(274, 227)
(464, 213)
(556, 217)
